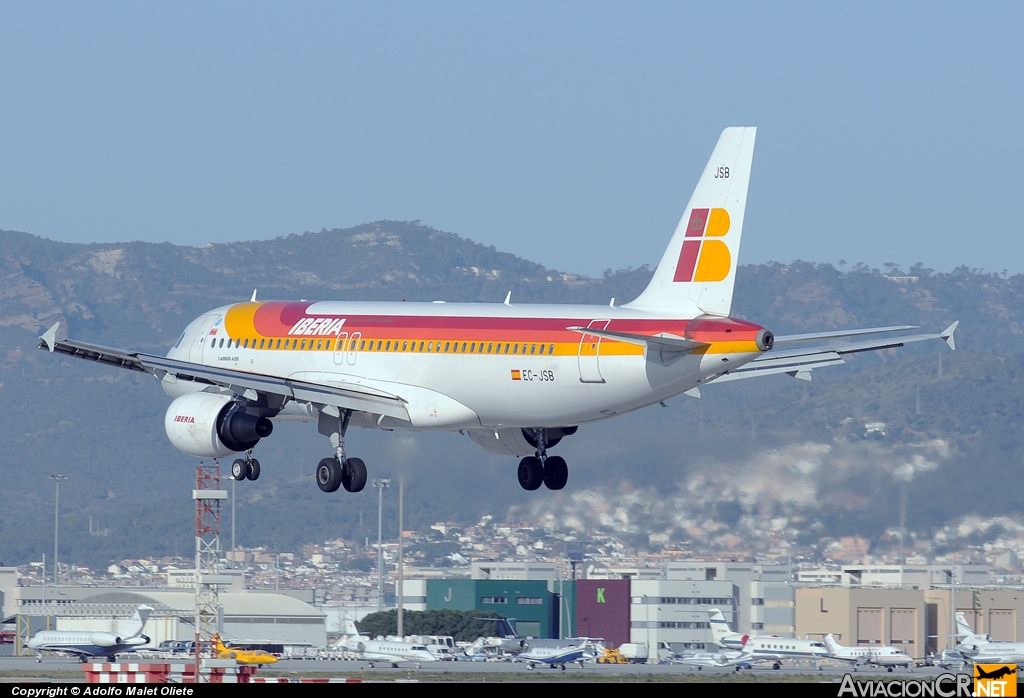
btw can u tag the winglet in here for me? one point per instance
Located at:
(253, 299)
(50, 337)
(948, 335)
(508, 298)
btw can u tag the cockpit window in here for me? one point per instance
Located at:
(179, 340)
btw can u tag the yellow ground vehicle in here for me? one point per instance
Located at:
(241, 656)
(611, 656)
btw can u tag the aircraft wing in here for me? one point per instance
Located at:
(798, 362)
(242, 383)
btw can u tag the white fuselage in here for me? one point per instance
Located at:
(879, 656)
(80, 643)
(777, 648)
(464, 365)
(396, 652)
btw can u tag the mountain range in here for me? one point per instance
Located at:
(102, 428)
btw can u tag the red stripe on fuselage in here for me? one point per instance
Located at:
(277, 319)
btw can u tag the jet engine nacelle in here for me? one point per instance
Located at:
(514, 441)
(105, 639)
(208, 425)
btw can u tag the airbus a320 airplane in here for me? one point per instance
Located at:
(516, 378)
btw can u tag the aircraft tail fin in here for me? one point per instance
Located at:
(350, 628)
(697, 273)
(137, 622)
(833, 646)
(963, 630)
(719, 626)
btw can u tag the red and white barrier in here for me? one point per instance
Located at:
(223, 672)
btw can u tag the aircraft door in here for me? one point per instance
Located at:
(353, 347)
(195, 352)
(590, 351)
(340, 348)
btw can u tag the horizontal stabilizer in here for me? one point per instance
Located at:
(789, 339)
(662, 342)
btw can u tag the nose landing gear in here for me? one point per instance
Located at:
(552, 471)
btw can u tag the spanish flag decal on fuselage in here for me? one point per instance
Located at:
(516, 375)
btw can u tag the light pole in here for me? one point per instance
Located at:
(380, 485)
(401, 560)
(232, 565)
(56, 526)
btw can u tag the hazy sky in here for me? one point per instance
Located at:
(568, 133)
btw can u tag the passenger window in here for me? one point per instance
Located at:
(304, 344)
(319, 344)
(246, 345)
(278, 344)
(455, 347)
(472, 348)
(506, 347)
(421, 346)
(404, 345)
(362, 345)
(262, 341)
(541, 348)
(533, 349)
(490, 345)
(446, 345)
(463, 347)
(515, 348)
(551, 349)
(430, 346)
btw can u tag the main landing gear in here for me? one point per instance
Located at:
(247, 468)
(340, 471)
(552, 471)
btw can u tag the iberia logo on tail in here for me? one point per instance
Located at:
(704, 258)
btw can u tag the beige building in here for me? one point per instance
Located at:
(917, 621)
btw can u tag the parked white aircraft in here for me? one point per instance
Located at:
(872, 655)
(722, 659)
(96, 644)
(558, 656)
(516, 378)
(980, 649)
(764, 647)
(390, 651)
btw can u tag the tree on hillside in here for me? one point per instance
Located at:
(464, 626)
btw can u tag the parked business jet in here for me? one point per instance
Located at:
(871, 655)
(516, 378)
(981, 649)
(770, 648)
(745, 656)
(558, 656)
(390, 651)
(98, 644)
